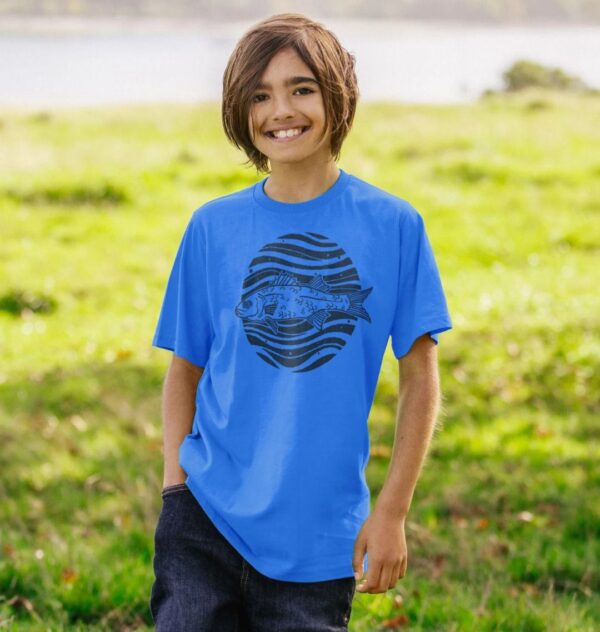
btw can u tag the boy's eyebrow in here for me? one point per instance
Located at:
(292, 81)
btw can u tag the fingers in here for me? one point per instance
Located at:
(371, 581)
(382, 574)
(385, 579)
(403, 567)
(380, 577)
(360, 548)
(395, 575)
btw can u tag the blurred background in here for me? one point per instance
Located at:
(83, 52)
(484, 114)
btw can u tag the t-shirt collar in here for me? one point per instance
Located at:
(293, 207)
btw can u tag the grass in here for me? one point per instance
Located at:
(503, 530)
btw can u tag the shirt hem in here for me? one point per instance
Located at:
(434, 329)
(199, 361)
(340, 571)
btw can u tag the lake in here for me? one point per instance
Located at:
(71, 62)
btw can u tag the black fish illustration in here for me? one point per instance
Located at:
(285, 298)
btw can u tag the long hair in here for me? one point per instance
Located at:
(332, 65)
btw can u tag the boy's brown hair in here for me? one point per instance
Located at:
(332, 65)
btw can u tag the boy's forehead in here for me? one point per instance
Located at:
(283, 65)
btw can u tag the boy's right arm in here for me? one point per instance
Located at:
(178, 409)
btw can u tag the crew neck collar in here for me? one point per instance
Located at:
(294, 207)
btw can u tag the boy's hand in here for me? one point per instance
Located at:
(382, 537)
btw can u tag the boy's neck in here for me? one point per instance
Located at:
(290, 184)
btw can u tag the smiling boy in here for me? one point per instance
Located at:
(278, 310)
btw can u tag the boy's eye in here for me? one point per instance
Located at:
(255, 98)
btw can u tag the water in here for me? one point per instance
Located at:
(69, 63)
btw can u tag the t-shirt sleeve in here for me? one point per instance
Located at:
(421, 305)
(183, 324)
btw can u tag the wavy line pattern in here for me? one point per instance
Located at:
(297, 344)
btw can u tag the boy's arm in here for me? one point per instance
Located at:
(382, 535)
(418, 408)
(178, 409)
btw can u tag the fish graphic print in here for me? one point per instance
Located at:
(296, 313)
(285, 298)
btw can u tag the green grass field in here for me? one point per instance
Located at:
(503, 533)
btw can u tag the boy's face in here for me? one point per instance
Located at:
(297, 106)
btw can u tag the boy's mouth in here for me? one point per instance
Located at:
(287, 138)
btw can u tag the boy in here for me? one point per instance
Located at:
(278, 310)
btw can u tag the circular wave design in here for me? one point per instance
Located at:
(300, 301)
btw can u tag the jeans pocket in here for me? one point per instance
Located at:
(174, 489)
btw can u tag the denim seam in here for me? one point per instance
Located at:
(244, 577)
(349, 610)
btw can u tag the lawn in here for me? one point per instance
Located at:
(503, 533)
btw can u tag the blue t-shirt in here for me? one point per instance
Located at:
(289, 308)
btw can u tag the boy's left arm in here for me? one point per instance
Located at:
(382, 534)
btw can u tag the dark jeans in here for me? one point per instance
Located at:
(203, 584)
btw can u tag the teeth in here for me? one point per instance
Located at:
(286, 133)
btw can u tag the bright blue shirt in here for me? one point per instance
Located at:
(289, 308)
